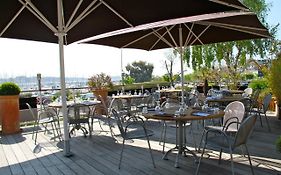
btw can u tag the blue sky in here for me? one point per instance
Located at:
(274, 15)
(83, 61)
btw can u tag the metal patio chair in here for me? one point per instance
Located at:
(79, 115)
(139, 132)
(44, 118)
(223, 141)
(234, 114)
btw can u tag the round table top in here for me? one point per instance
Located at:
(190, 115)
(69, 103)
(170, 90)
(129, 96)
(224, 99)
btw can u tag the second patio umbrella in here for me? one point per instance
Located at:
(182, 32)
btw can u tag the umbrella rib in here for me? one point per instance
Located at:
(188, 36)
(160, 37)
(232, 27)
(74, 13)
(230, 5)
(12, 20)
(38, 14)
(116, 13)
(136, 40)
(197, 37)
(172, 38)
(82, 15)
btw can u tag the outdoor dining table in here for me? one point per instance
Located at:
(235, 91)
(58, 105)
(189, 115)
(224, 100)
(128, 98)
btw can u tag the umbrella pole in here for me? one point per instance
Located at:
(181, 59)
(60, 35)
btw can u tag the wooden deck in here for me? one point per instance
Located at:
(100, 154)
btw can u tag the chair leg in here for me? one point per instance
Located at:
(231, 159)
(34, 127)
(198, 166)
(199, 146)
(164, 137)
(121, 155)
(162, 132)
(249, 158)
(150, 150)
(266, 119)
(220, 156)
(193, 137)
(90, 129)
(260, 119)
(53, 129)
(35, 139)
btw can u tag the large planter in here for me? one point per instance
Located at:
(9, 114)
(103, 93)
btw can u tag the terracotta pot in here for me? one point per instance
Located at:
(103, 93)
(9, 114)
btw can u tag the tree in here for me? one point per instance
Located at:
(140, 71)
(169, 63)
(235, 53)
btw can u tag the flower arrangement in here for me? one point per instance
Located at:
(100, 81)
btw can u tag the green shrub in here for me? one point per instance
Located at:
(275, 78)
(260, 84)
(9, 88)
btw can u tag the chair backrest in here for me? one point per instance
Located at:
(244, 131)
(247, 104)
(248, 91)
(255, 97)
(234, 112)
(266, 102)
(119, 123)
(47, 114)
(171, 105)
(78, 112)
(31, 111)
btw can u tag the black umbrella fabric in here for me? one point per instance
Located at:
(199, 30)
(38, 19)
(67, 21)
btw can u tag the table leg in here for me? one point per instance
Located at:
(180, 145)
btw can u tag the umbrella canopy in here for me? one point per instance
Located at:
(67, 21)
(37, 20)
(196, 30)
(187, 31)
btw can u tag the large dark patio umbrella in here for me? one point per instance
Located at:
(187, 31)
(67, 21)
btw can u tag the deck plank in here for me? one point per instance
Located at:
(100, 154)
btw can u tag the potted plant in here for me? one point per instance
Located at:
(275, 79)
(99, 85)
(9, 107)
